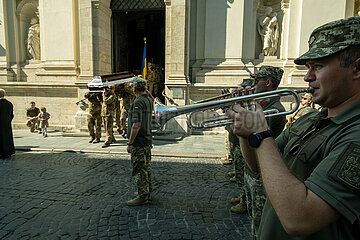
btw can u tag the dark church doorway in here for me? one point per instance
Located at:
(129, 28)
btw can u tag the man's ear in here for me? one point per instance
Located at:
(269, 82)
(356, 69)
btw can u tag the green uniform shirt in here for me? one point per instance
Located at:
(32, 112)
(108, 104)
(304, 110)
(324, 153)
(94, 103)
(141, 111)
(277, 123)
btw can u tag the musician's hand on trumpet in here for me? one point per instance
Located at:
(247, 121)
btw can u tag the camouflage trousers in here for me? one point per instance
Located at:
(94, 122)
(117, 113)
(108, 124)
(33, 124)
(141, 164)
(255, 198)
(227, 145)
(123, 119)
(239, 171)
(153, 88)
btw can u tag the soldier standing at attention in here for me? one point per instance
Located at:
(140, 141)
(151, 78)
(311, 171)
(107, 112)
(94, 116)
(32, 114)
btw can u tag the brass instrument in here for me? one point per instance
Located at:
(212, 98)
(164, 114)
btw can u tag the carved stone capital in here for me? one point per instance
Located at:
(167, 2)
(285, 4)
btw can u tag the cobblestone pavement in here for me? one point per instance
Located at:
(47, 195)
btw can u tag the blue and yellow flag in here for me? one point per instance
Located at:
(144, 63)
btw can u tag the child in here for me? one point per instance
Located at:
(44, 117)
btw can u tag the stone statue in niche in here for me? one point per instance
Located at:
(268, 29)
(33, 39)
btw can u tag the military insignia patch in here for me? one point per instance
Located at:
(347, 169)
(311, 40)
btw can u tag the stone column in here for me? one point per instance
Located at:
(177, 57)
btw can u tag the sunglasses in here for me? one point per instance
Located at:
(257, 80)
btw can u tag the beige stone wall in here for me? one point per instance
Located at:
(210, 44)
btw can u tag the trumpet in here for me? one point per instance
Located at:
(164, 113)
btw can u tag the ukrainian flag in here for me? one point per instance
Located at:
(144, 63)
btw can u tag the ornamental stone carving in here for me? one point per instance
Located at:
(268, 29)
(33, 40)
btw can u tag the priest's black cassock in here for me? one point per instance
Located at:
(6, 136)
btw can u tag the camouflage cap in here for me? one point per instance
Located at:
(331, 38)
(269, 71)
(247, 82)
(139, 82)
(307, 96)
(110, 87)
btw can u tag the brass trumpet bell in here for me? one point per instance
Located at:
(164, 113)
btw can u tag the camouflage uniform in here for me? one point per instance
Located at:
(107, 112)
(117, 110)
(321, 151)
(141, 111)
(238, 165)
(126, 97)
(94, 115)
(153, 80)
(304, 110)
(254, 190)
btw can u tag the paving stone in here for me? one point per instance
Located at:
(83, 196)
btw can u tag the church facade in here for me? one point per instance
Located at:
(50, 49)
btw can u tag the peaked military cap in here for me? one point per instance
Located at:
(307, 96)
(331, 38)
(139, 82)
(269, 71)
(247, 82)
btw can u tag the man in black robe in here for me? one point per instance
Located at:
(6, 136)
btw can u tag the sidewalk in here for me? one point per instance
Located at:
(192, 146)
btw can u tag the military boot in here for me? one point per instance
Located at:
(136, 201)
(106, 144)
(233, 179)
(96, 141)
(91, 140)
(239, 208)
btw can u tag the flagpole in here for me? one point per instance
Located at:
(144, 63)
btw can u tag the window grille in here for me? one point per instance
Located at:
(136, 5)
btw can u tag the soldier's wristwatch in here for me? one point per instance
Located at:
(129, 144)
(255, 139)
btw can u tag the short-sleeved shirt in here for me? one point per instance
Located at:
(32, 112)
(141, 111)
(324, 153)
(276, 123)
